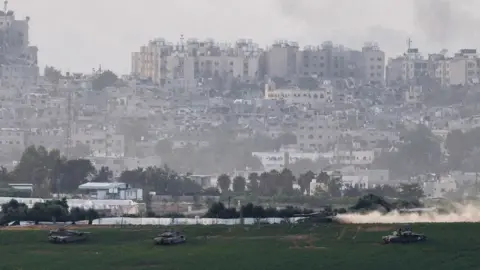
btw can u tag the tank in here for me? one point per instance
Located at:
(63, 236)
(170, 238)
(404, 236)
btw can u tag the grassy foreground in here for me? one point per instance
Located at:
(450, 246)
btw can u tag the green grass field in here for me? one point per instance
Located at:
(450, 246)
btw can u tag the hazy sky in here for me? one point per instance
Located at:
(79, 35)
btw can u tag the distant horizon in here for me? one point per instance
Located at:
(76, 37)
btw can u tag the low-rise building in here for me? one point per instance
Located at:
(111, 191)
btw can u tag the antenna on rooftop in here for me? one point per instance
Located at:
(409, 43)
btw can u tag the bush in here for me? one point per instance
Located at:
(49, 211)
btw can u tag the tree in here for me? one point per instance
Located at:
(103, 175)
(104, 80)
(286, 180)
(304, 181)
(5, 176)
(38, 166)
(239, 184)
(52, 74)
(134, 178)
(253, 182)
(223, 182)
(268, 183)
(13, 211)
(74, 173)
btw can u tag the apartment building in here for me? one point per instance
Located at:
(281, 59)
(189, 60)
(299, 96)
(278, 160)
(374, 64)
(464, 68)
(19, 68)
(317, 132)
(150, 61)
(101, 143)
(353, 157)
(408, 67)
(461, 69)
(13, 138)
(337, 63)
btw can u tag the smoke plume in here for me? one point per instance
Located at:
(460, 213)
(445, 22)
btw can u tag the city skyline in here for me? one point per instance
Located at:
(85, 40)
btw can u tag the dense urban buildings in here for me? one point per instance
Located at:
(207, 108)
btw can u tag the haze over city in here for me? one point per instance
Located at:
(80, 35)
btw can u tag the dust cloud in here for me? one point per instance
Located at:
(446, 21)
(459, 213)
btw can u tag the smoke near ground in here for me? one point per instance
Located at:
(459, 213)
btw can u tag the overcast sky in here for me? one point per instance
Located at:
(79, 35)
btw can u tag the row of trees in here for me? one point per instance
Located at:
(50, 172)
(49, 211)
(276, 183)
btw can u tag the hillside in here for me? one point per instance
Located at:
(450, 246)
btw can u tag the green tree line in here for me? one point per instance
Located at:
(48, 211)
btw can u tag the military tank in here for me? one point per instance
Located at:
(63, 236)
(170, 238)
(404, 236)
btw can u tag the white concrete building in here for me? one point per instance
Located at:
(277, 160)
(374, 64)
(298, 96)
(13, 138)
(354, 157)
(112, 191)
(438, 187)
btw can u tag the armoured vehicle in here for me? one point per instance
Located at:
(66, 236)
(169, 238)
(404, 236)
